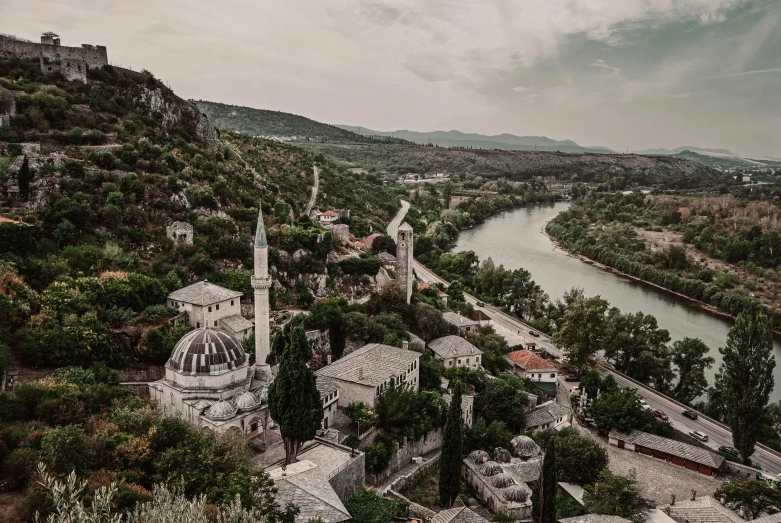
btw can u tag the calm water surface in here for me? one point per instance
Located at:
(515, 239)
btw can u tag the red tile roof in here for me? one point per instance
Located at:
(422, 286)
(3, 219)
(527, 360)
(329, 213)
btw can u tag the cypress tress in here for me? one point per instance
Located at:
(23, 178)
(294, 402)
(450, 455)
(548, 485)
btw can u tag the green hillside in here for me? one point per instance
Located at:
(279, 125)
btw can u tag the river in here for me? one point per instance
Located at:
(515, 239)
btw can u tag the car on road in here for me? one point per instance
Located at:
(729, 450)
(534, 333)
(661, 415)
(480, 304)
(572, 377)
(697, 434)
(645, 404)
(689, 414)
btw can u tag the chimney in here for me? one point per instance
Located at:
(360, 373)
(672, 499)
(328, 359)
(694, 494)
(405, 345)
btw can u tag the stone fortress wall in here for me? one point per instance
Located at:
(72, 62)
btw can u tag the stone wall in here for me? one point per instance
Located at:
(92, 55)
(349, 477)
(433, 441)
(410, 479)
(737, 469)
(140, 388)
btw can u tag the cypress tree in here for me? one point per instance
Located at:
(548, 485)
(745, 379)
(450, 455)
(294, 402)
(23, 177)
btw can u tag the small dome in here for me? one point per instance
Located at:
(525, 447)
(478, 457)
(245, 400)
(490, 468)
(516, 494)
(221, 410)
(206, 352)
(502, 480)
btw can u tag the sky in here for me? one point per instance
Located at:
(625, 74)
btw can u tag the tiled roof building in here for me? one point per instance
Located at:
(458, 515)
(682, 454)
(203, 293)
(464, 324)
(548, 415)
(304, 485)
(455, 351)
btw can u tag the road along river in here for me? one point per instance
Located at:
(515, 239)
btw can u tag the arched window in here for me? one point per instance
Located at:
(172, 399)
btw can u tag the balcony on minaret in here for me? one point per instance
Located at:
(260, 283)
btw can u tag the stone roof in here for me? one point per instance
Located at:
(206, 352)
(372, 364)
(456, 319)
(326, 386)
(527, 360)
(416, 340)
(458, 515)
(453, 347)
(706, 509)
(546, 414)
(405, 227)
(304, 485)
(203, 293)
(670, 446)
(386, 257)
(595, 518)
(467, 401)
(236, 323)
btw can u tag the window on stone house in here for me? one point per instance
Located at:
(197, 324)
(172, 399)
(231, 303)
(210, 309)
(215, 323)
(217, 306)
(552, 375)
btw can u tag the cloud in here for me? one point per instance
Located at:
(773, 70)
(603, 65)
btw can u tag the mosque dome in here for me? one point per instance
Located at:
(525, 447)
(478, 457)
(221, 410)
(516, 494)
(502, 480)
(490, 468)
(245, 401)
(206, 352)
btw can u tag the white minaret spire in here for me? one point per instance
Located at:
(261, 282)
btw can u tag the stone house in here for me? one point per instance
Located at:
(542, 372)
(548, 415)
(467, 407)
(305, 485)
(209, 305)
(462, 323)
(329, 395)
(682, 454)
(455, 351)
(366, 373)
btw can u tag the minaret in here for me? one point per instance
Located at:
(404, 259)
(261, 282)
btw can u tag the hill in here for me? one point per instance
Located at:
(630, 169)
(278, 125)
(480, 141)
(718, 160)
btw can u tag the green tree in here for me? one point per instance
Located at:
(294, 402)
(548, 485)
(582, 330)
(613, 495)
(367, 507)
(745, 378)
(66, 449)
(590, 383)
(503, 399)
(486, 437)
(384, 243)
(447, 194)
(23, 177)
(450, 455)
(689, 356)
(751, 495)
(620, 409)
(579, 459)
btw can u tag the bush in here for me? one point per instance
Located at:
(20, 465)
(367, 507)
(378, 454)
(65, 448)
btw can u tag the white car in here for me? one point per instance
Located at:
(645, 404)
(698, 435)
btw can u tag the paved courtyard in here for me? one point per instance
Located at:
(658, 479)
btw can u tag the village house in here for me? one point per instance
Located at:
(305, 485)
(548, 415)
(467, 407)
(462, 323)
(327, 217)
(369, 371)
(681, 454)
(329, 395)
(458, 515)
(387, 259)
(707, 509)
(542, 372)
(212, 306)
(455, 351)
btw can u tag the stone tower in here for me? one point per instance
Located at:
(404, 259)
(261, 282)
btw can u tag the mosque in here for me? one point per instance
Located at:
(208, 379)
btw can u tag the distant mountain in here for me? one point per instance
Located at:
(727, 161)
(279, 125)
(671, 152)
(481, 141)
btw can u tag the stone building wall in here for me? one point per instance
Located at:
(93, 55)
(404, 254)
(403, 457)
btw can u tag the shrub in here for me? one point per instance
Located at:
(65, 448)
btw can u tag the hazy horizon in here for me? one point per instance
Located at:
(637, 74)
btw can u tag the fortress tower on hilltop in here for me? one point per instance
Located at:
(72, 62)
